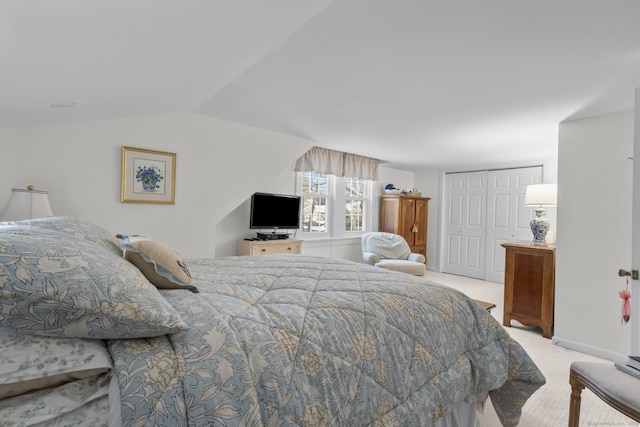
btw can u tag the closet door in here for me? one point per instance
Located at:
(465, 224)
(507, 216)
(483, 210)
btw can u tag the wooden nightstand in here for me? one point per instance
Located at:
(269, 247)
(529, 285)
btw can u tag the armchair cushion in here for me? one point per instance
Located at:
(370, 258)
(417, 258)
(405, 266)
(392, 252)
(386, 245)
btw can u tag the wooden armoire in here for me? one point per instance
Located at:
(406, 216)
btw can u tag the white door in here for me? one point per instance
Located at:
(635, 232)
(465, 224)
(507, 217)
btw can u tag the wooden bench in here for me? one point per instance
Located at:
(486, 305)
(619, 390)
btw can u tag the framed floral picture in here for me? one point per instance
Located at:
(148, 176)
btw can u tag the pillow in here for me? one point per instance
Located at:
(160, 264)
(55, 285)
(29, 362)
(78, 229)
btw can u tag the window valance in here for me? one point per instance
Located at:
(331, 162)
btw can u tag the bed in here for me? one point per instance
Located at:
(103, 330)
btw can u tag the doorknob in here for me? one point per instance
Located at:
(633, 273)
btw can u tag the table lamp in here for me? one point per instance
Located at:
(26, 204)
(540, 195)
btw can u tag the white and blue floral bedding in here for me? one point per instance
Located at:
(52, 381)
(308, 341)
(268, 341)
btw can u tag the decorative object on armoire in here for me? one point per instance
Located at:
(406, 216)
(26, 204)
(148, 176)
(391, 189)
(540, 195)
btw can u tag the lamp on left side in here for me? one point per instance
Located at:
(26, 204)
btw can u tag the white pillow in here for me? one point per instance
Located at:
(30, 362)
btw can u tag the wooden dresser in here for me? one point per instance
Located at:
(406, 216)
(529, 285)
(269, 247)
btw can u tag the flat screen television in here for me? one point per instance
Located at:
(274, 211)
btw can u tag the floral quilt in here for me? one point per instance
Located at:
(294, 340)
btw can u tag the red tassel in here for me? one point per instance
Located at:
(626, 304)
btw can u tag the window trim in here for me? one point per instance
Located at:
(336, 206)
(329, 217)
(366, 206)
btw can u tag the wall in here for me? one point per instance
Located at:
(79, 164)
(594, 233)
(218, 166)
(235, 225)
(429, 183)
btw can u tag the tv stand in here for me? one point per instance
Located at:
(269, 247)
(272, 236)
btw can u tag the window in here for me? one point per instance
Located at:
(315, 196)
(355, 204)
(326, 212)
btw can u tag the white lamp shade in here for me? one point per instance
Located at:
(541, 195)
(26, 204)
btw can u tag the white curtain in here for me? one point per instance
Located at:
(337, 163)
(321, 160)
(360, 167)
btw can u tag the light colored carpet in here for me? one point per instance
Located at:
(549, 406)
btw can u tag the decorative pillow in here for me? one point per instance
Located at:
(29, 362)
(162, 265)
(51, 284)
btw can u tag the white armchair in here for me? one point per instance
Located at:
(391, 251)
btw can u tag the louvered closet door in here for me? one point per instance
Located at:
(465, 224)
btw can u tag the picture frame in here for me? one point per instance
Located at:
(148, 176)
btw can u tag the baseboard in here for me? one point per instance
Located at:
(587, 349)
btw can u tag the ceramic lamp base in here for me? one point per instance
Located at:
(539, 226)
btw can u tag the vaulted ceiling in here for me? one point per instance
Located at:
(420, 84)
